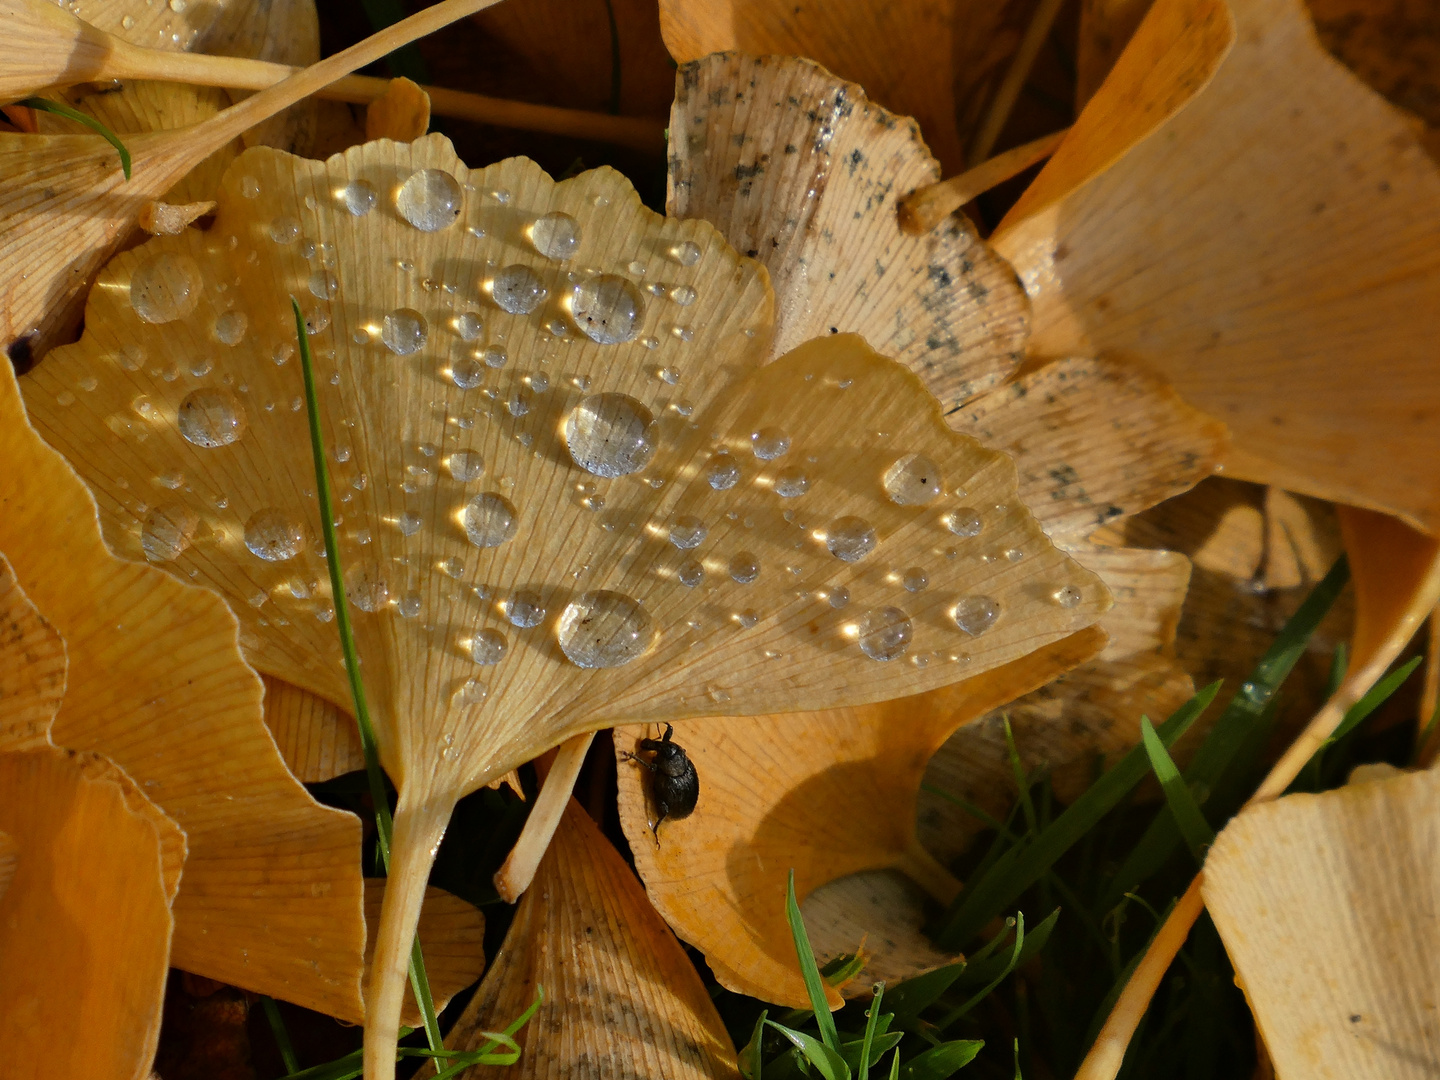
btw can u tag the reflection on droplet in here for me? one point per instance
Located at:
(1067, 596)
(885, 633)
(211, 418)
(489, 520)
(791, 483)
(850, 538)
(518, 289)
(272, 536)
(610, 435)
(465, 465)
(769, 443)
(167, 532)
(489, 647)
(366, 589)
(721, 473)
(556, 236)
(404, 331)
(608, 308)
(229, 328)
(744, 567)
(525, 609)
(604, 629)
(358, 197)
(430, 200)
(976, 614)
(914, 480)
(165, 287)
(964, 522)
(687, 532)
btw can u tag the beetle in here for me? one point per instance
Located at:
(675, 784)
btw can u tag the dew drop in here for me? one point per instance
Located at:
(914, 480)
(747, 618)
(914, 579)
(430, 200)
(489, 520)
(691, 573)
(284, 230)
(518, 289)
(167, 532)
(1014, 554)
(683, 295)
(885, 633)
(467, 373)
(556, 236)
(489, 647)
(525, 608)
(721, 473)
(850, 539)
(1067, 596)
(472, 692)
(976, 614)
(409, 524)
(839, 596)
(211, 418)
(604, 629)
(323, 285)
(519, 403)
(404, 331)
(452, 567)
(494, 357)
(686, 253)
(744, 568)
(610, 435)
(229, 328)
(791, 483)
(964, 522)
(358, 197)
(608, 309)
(769, 443)
(687, 532)
(366, 589)
(272, 536)
(409, 605)
(165, 288)
(469, 326)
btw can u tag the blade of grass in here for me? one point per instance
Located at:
(826, 1059)
(985, 970)
(1022, 782)
(1183, 807)
(942, 1061)
(969, 807)
(895, 1066)
(980, 995)
(809, 970)
(878, 990)
(750, 1056)
(1019, 868)
(384, 825)
(46, 105)
(1316, 770)
(281, 1033)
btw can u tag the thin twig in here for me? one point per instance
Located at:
(515, 876)
(1003, 102)
(926, 207)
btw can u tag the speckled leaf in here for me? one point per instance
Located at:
(32, 668)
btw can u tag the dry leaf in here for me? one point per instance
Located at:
(1106, 27)
(1325, 904)
(452, 937)
(621, 997)
(1391, 44)
(317, 739)
(825, 793)
(401, 113)
(32, 668)
(157, 684)
(166, 219)
(9, 859)
(1305, 322)
(799, 170)
(501, 613)
(903, 54)
(85, 923)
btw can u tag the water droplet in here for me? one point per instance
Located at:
(489, 520)
(366, 589)
(128, 23)
(472, 692)
(518, 403)
(769, 443)
(683, 295)
(409, 524)
(686, 253)
(272, 536)
(230, 326)
(469, 326)
(1014, 554)
(172, 480)
(323, 285)
(404, 331)
(211, 418)
(556, 236)
(165, 287)
(1067, 596)
(494, 357)
(539, 382)
(976, 614)
(691, 573)
(839, 596)
(608, 309)
(358, 197)
(885, 633)
(318, 319)
(465, 465)
(430, 200)
(610, 435)
(914, 579)
(722, 473)
(284, 230)
(452, 567)
(489, 647)
(604, 629)
(409, 605)
(167, 532)
(650, 342)
(964, 522)
(747, 618)
(791, 483)
(687, 532)
(850, 538)
(744, 567)
(525, 609)
(518, 289)
(467, 373)
(914, 480)
(669, 376)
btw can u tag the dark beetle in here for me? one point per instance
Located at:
(675, 784)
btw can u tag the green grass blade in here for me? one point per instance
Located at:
(46, 105)
(809, 970)
(1183, 807)
(982, 970)
(281, 1033)
(872, 1017)
(751, 1055)
(895, 1066)
(825, 1059)
(1019, 868)
(944, 1060)
(1380, 693)
(883, 1043)
(1423, 740)
(984, 992)
(1022, 782)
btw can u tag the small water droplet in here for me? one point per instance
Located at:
(769, 443)
(721, 473)
(610, 435)
(229, 328)
(686, 253)
(964, 522)
(556, 236)
(1014, 554)
(791, 483)
(358, 197)
(211, 418)
(914, 480)
(1067, 596)
(691, 573)
(839, 596)
(687, 532)
(409, 605)
(165, 287)
(494, 357)
(885, 633)
(489, 520)
(404, 331)
(604, 629)
(518, 289)
(128, 23)
(409, 524)
(469, 326)
(683, 295)
(608, 309)
(284, 230)
(518, 403)
(914, 579)
(467, 373)
(850, 538)
(323, 285)
(747, 618)
(976, 614)
(272, 536)
(525, 608)
(167, 532)
(472, 692)
(489, 647)
(430, 200)
(670, 376)
(744, 567)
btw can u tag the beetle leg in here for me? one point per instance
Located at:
(628, 756)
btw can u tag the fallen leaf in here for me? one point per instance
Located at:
(1106, 27)
(1392, 45)
(166, 219)
(621, 998)
(316, 738)
(401, 113)
(452, 937)
(32, 668)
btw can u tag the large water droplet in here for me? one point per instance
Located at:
(976, 614)
(885, 633)
(914, 480)
(272, 536)
(366, 589)
(358, 197)
(518, 290)
(964, 522)
(229, 328)
(610, 435)
(489, 647)
(769, 443)
(686, 253)
(525, 609)
(465, 465)
(791, 483)
(850, 538)
(608, 308)
(467, 373)
(469, 325)
(404, 331)
(165, 287)
(494, 357)
(687, 532)
(211, 418)
(556, 236)
(284, 230)
(721, 473)
(430, 200)
(604, 629)
(167, 532)
(744, 567)
(489, 520)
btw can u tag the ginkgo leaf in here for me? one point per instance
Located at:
(1130, 244)
(572, 494)
(1325, 904)
(621, 998)
(85, 921)
(1106, 27)
(452, 937)
(317, 740)
(157, 684)
(9, 858)
(401, 113)
(799, 170)
(826, 793)
(32, 668)
(1393, 46)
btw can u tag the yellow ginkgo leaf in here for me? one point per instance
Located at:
(799, 170)
(317, 740)
(452, 937)
(32, 668)
(571, 493)
(621, 998)
(1305, 323)
(881, 915)
(9, 857)
(401, 113)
